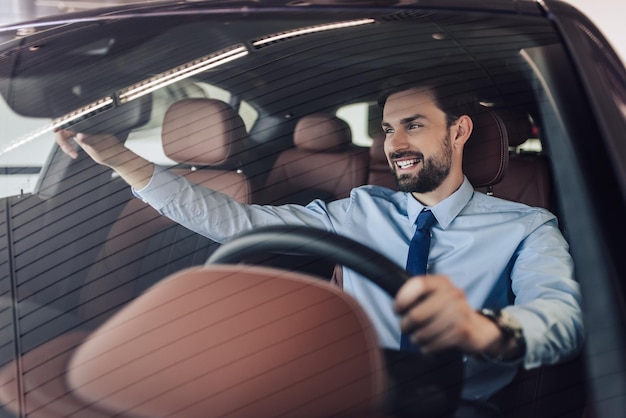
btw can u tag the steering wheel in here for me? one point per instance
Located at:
(421, 385)
(299, 239)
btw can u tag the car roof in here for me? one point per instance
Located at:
(73, 43)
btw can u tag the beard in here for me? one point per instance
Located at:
(434, 171)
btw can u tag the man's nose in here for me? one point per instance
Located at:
(396, 141)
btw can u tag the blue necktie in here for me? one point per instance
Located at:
(417, 258)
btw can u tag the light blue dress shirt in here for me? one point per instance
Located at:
(502, 254)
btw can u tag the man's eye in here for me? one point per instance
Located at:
(388, 130)
(414, 126)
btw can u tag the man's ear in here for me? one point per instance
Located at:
(464, 127)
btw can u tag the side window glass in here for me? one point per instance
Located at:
(248, 114)
(532, 144)
(356, 116)
(24, 147)
(213, 92)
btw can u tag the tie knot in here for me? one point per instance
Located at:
(426, 220)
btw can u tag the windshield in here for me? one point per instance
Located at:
(337, 64)
(266, 107)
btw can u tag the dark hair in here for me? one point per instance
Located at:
(453, 96)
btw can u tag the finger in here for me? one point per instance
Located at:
(443, 340)
(443, 327)
(81, 138)
(63, 138)
(415, 289)
(410, 292)
(425, 309)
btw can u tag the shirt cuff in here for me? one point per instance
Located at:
(160, 189)
(535, 334)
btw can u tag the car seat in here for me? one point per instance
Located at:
(528, 177)
(233, 340)
(323, 164)
(207, 138)
(379, 171)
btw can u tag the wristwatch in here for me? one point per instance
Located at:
(511, 329)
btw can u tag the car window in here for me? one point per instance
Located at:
(357, 117)
(22, 152)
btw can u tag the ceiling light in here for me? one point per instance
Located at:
(181, 72)
(83, 113)
(310, 29)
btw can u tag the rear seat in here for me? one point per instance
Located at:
(379, 171)
(527, 178)
(207, 137)
(323, 164)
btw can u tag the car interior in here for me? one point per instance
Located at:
(142, 247)
(97, 267)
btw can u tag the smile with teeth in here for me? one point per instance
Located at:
(405, 164)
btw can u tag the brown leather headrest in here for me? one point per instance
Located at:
(486, 153)
(321, 132)
(203, 132)
(378, 161)
(231, 340)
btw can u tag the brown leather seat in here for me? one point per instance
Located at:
(47, 394)
(212, 341)
(207, 137)
(323, 164)
(527, 178)
(379, 171)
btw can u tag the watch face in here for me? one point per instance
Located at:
(509, 320)
(505, 321)
(510, 324)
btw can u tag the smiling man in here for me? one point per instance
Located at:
(409, 135)
(499, 283)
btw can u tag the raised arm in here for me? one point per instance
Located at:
(107, 150)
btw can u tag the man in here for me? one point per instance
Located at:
(484, 252)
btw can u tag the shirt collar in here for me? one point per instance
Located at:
(446, 210)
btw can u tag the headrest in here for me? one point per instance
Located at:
(204, 132)
(378, 160)
(520, 128)
(321, 132)
(486, 153)
(235, 341)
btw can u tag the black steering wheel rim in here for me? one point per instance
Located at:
(299, 239)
